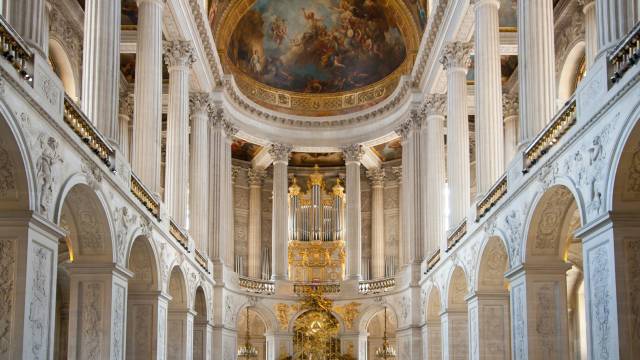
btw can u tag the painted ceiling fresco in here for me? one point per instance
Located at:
(243, 150)
(388, 151)
(316, 46)
(303, 159)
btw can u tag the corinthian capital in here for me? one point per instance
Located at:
(435, 104)
(510, 105)
(376, 176)
(353, 153)
(200, 103)
(126, 105)
(178, 53)
(255, 176)
(280, 152)
(456, 54)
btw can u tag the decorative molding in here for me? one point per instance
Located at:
(46, 171)
(353, 153)
(178, 53)
(280, 152)
(510, 105)
(435, 104)
(456, 55)
(376, 176)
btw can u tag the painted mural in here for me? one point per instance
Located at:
(317, 46)
(244, 150)
(418, 9)
(303, 159)
(508, 15)
(388, 151)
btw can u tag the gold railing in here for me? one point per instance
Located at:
(87, 132)
(328, 288)
(370, 287)
(497, 192)
(457, 234)
(146, 198)
(433, 260)
(263, 287)
(625, 55)
(14, 50)
(179, 234)
(201, 260)
(550, 135)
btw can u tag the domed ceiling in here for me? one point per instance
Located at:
(317, 57)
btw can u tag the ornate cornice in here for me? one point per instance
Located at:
(280, 152)
(456, 55)
(435, 104)
(404, 129)
(429, 39)
(178, 53)
(510, 105)
(353, 153)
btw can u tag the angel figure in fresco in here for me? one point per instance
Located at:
(278, 30)
(310, 16)
(256, 64)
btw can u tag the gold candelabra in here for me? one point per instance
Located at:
(247, 351)
(386, 351)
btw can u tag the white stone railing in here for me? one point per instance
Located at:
(370, 287)
(15, 50)
(457, 234)
(262, 287)
(325, 288)
(179, 234)
(625, 55)
(497, 192)
(147, 199)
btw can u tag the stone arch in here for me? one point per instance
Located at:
(375, 330)
(569, 71)
(456, 315)
(492, 266)
(177, 287)
(83, 213)
(297, 314)
(63, 68)
(200, 325)
(258, 329)
(180, 316)
(457, 289)
(623, 188)
(371, 311)
(143, 263)
(17, 181)
(269, 318)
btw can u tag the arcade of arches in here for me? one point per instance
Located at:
(330, 179)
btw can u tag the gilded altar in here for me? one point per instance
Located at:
(316, 251)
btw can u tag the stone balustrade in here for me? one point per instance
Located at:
(14, 50)
(370, 287)
(457, 234)
(325, 288)
(262, 287)
(179, 234)
(87, 132)
(497, 192)
(145, 196)
(625, 55)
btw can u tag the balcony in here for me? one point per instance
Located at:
(255, 286)
(371, 287)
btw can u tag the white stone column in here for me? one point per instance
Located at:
(376, 177)
(538, 303)
(456, 60)
(125, 117)
(590, 31)
(29, 19)
(280, 234)
(97, 315)
(220, 195)
(536, 64)
(488, 82)
(200, 109)
(489, 329)
(455, 337)
(101, 65)
(433, 146)
(255, 221)
(180, 324)
(353, 216)
(147, 325)
(402, 253)
(178, 57)
(148, 94)
(613, 23)
(510, 113)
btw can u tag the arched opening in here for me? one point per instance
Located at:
(200, 326)
(142, 301)
(625, 234)
(455, 319)
(375, 331)
(179, 319)
(434, 333)
(255, 336)
(572, 72)
(492, 302)
(315, 335)
(62, 67)
(554, 256)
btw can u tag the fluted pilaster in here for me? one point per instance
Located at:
(402, 247)
(148, 94)
(352, 157)
(612, 22)
(280, 154)
(101, 65)
(510, 113)
(536, 66)
(590, 31)
(434, 107)
(488, 81)
(456, 60)
(376, 177)
(255, 229)
(200, 110)
(29, 19)
(178, 57)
